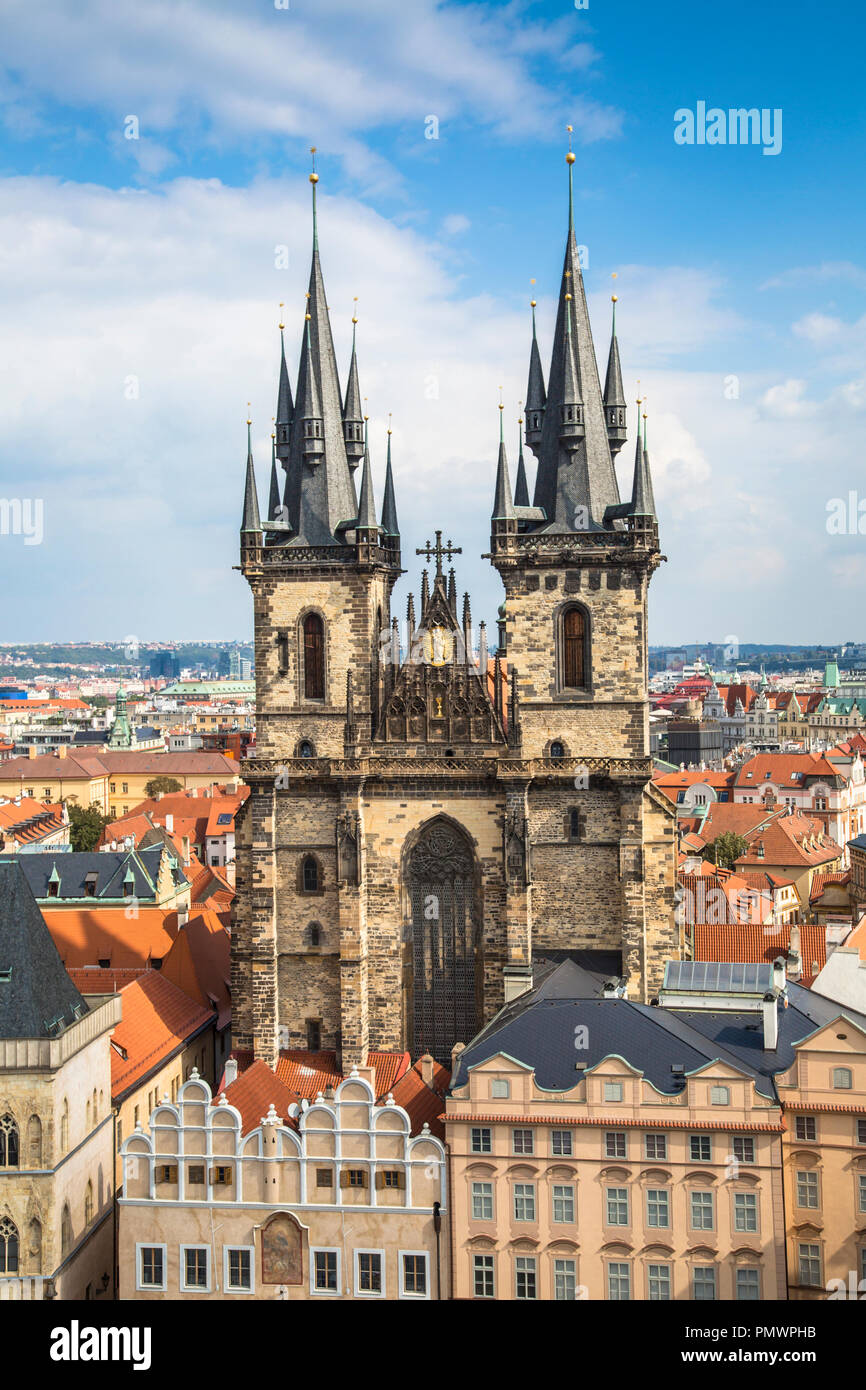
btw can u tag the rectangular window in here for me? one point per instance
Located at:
(658, 1207)
(239, 1271)
(614, 1143)
(861, 1131)
(324, 1177)
(563, 1203)
(617, 1206)
(195, 1266)
(482, 1273)
(564, 1280)
(415, 1275)
(748, 1284)
(700, 1149)
(613, 1090)
(221, 1176)
(325, 1274)
(499, 1089)
(805, 1127)
(524, 1201)
(809, 1259)
(656, 1145)
(390, 1177)
(619, 1282)
(481, 1141)
(807, 1189)
(744, 1149)
(369, 1271)
(195, 1173)
(152, 1266)
(745, 1211)
(562, 1143)
(702, 1211)
(522, 1141)
(482, 1201)
(353, 1177)
(166, 1172)
(704, 1282)
(659, 1283)
(524, 1277)
(861, 1182)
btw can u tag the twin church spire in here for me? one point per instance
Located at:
(320, 439)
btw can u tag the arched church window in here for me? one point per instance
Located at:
(310, 875)
(8, 1142)
(574, 824)
(306, 749)
(34, 1142)
(8, 1246)
(314, 934)
(314, 657)
(574, 649)
(557, 749)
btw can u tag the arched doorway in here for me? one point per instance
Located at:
(444, 975)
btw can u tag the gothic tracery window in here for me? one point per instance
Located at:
(8, 1246)
(310, 875)
(8, 1142)
(445, 967)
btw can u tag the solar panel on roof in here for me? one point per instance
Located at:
(715, 977)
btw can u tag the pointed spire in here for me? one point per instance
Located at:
(309, 406)
(389, 504)
(251, 523)
(353, 415)
(569, 159)
(482, 650)
(452, 591)
(314, 179)
(571, 411)
(536, 395)
(503, 507)
(521, 490)
(425, 592)
(642, 500)
(614, 395)
(410, 617)
(497, 685)
(467, 612)
(367, 505)
(274, 494)
(285, 405)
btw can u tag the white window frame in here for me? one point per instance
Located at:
(150, 1245)
(482, 1198)
(568, 1200)
(229, 1288)
(326, 1250)
(195, 1288)
(401, 1286)
(566, 1138)
(613, 1092)
(500, 1088)
(369, 1293)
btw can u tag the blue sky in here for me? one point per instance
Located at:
(139, 293)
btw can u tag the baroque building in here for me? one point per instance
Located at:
(424, 821)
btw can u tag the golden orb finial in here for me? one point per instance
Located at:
(570, 157)
(314, 178)
(282, 307)
(308, 316)
(249, 416)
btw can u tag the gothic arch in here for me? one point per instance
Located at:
(572, 632)
(312, 653)
(443, 956)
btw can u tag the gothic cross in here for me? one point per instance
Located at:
(439, 550)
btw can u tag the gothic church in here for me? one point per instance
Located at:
(424, 820)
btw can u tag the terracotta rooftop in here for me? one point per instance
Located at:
(422, 1103)
(157, 1020)
(198, 962)
(750, 942)
(84, 936)
(255, 1090)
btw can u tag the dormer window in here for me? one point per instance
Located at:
(54, 889)
(90, 885)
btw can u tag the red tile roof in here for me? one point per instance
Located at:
(253, 1093)
(738, 818)
(422, 1103)
(751, 943)
(822, 881)
(199, 963)
(157, 1020)
(796, 840)
(28, 821)
(84, 936)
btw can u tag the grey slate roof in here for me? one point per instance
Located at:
(389, 504)
(38, 989)
(367, 503)
(251, 519)
(521, 490)
(503, 506)
(110, 866)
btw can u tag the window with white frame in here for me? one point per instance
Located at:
(481, 1140)
(614, 1143)
(861, 1131)
(238, 1271)
(745, 1211)
(522, 1141)
(524, 1277)
(563, 1202)
(805, 1128)
(499, 1088)
(658, 1207)
(613, 1090)
(370, 1273)
(702, 1210)
(842, 1078)
(413, 1274)
(482, 1276)
(482, 1201)
(861, 1186)
(704, 1282)
(617, 1206)
(720, 1095)
(195, 1268)
(807, 1188)
(700, 1148)
(151, 1266)
(562, 1143)
(564, 1280)
(619, 1281)
(658, 1283)
(655, 1145)
(809, 1262)
(524, 1201)
(748, 1283)
(744, 1149)
(325, 1271)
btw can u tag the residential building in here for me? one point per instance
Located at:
(27, 825)
(129, 879)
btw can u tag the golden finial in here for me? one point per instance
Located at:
(249, 416)
(366, 416)
(569, 158)
(308, 316)
(273, 431)
(568, 296)
(282, 306)
(613, 277)
(314, 178)
(501, 406)
(520, 412)
(354, 315)
(389, 422)
(533, 300)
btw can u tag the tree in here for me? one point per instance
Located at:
(724, 849)
(162, 784)
(86, 824)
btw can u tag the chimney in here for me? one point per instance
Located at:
(779, 974)
(31, 751)
(185, 846)
(182, 917)
(770, 1011)
(169, 823)
(61, 750)
(231, 1072)
(426, 1064)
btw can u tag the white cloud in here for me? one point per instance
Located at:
(798, 276)
(786, 402)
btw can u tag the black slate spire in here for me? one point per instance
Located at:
(285, 406)
(521, 490)
(614, 395)
(251, 522)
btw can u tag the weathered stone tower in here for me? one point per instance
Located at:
(423, 821)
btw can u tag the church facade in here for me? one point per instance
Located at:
(425, 819)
